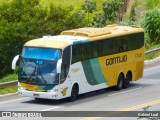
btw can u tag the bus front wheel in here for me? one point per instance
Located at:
(120, 82)
(74, 93)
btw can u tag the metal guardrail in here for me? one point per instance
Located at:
(152, 51)
(6, 84)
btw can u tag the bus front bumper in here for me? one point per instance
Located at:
(45, 95)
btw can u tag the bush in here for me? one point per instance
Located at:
(152, 24)
(151, 4)
(22, 20)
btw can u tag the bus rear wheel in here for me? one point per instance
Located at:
(74, 93)
(128, 79)
(120, 82)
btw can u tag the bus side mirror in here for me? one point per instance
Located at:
(14, 61)
(59, 63)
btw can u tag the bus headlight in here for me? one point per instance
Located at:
(21, 88)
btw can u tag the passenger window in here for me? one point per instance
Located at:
(107, 47)
(87, 51)
(98, 49)
(76, 53)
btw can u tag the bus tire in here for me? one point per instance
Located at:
(74, 93)
(120, 82)
(127, 80)
(38, 99)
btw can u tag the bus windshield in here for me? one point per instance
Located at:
(41, 53)
(34, 71)
(38, 65)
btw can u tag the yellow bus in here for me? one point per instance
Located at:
(79, 61)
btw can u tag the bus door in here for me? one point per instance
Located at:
(64, 76)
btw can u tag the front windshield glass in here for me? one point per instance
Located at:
(41, 53)
(38, 71)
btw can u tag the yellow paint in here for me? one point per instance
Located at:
(111, 72)
(141, 105)
(64, 91)
(47, 43)
(105, 32)
(31, 87)
(88, 32)
(126, 109)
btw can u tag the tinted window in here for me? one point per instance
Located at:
(87, 51)
(76, 53)
(41, 53)
(107, 47)
(98, 49)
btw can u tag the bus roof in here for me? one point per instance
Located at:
(109, 30)
(81, 35)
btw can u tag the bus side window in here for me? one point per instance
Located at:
(87, 51)
(97, 49)
(117, 45)
(123, 48)
(107, 47)
(124, 44)
(140, 40)
(76, 53)
(133, 42)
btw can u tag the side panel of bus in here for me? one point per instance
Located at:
(120, 54)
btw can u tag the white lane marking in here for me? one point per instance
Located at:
(50, 109)
(152, 68)
(13, 100)
(125, 91)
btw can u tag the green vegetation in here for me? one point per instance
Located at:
(10, 89)
(9, 77)
(89, 7)
(22, 20)
(151, 4)
(152, 24)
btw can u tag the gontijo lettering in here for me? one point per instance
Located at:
(116, 60)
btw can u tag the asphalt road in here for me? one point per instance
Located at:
(142, 93)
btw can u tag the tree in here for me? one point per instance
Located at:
(89, 7)
(23, 20)
(132, 13)
(99, 20)
(152, 24)
(150, 4)
(113, 10)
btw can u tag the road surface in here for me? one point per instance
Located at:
(142, 93)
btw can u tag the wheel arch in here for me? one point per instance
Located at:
(77, 85)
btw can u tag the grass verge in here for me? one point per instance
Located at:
(9, 77)
(10, 89)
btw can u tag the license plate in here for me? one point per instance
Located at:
(36, 95)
